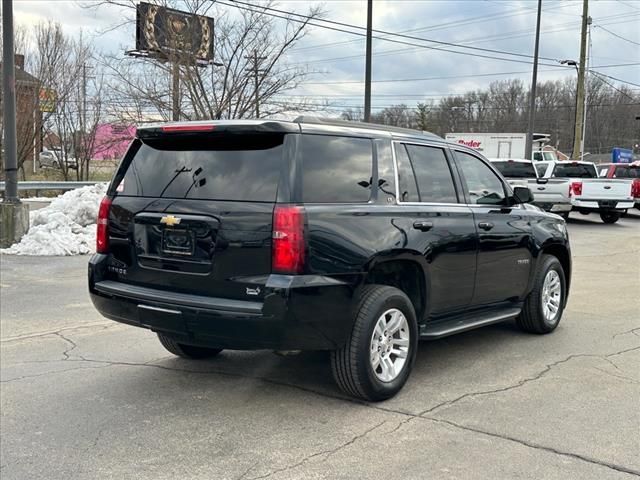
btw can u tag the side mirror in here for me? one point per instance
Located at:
(522, 195)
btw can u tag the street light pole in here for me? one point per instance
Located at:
(532, 94)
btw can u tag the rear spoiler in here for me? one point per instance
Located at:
(215, 128)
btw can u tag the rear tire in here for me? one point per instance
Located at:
(378, 356)
(538, 315)
(610, 217)
(187, 351)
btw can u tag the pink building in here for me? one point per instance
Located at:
(112, 140)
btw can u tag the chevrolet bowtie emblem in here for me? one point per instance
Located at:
(170, 220)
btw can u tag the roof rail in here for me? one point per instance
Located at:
(371, 126)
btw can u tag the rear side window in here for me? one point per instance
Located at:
(406, 176)
(336, 169)
(574, 170)
(435, 183)
(627, 172)
(244, 169)
(515, 169)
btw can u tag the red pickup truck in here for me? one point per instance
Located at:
(629, 171)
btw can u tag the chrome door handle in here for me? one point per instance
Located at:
(486, 225)
(423, 225)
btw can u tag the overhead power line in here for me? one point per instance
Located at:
(616, 35)
(313, 22)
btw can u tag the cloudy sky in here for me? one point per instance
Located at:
(408, 72)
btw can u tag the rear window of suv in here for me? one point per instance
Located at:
(242, 169)
(574, 170)
(336, 169)
(515, 169)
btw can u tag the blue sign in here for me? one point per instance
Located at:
(621, 155)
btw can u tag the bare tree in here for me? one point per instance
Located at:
(251, 48)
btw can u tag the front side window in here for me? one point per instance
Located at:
(483, 185)
(435, 183)
(336, 169)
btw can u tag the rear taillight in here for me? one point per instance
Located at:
(288, 247)
(635, 188)
(102, 233)
(575, 188)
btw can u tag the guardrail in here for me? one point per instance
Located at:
(39, 186)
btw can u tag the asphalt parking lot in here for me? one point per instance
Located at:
(86, 398)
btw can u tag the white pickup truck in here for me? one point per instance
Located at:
(550, 194)
(608, 197)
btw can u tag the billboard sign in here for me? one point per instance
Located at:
(164, 31)
(621, 155)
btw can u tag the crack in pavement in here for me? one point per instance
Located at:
(621, 377)
(29, 336)
(73, 344)
(328, 453)
(594, 461)
(633, 331)
(410, 416)
(523, 382)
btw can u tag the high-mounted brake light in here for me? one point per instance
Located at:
(187, 128)
(575, 189)
(102, 232)
(288, 243)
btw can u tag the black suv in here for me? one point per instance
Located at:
(321, 235)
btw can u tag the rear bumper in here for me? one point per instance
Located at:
(598, 205)
(304, 312)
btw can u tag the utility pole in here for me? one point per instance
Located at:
(84, 173)
(14, 215)
(586, 90)
(367, 68)
(255, 71)
(580, 89)
(175, 91)
(532, 94)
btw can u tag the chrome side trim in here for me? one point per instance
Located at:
(158, 309)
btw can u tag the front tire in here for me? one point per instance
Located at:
(610, 217)
(543, 307)
(191, 352)
(378, 356)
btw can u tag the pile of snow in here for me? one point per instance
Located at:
(65, 227)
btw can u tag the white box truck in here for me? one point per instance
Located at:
(504, 145)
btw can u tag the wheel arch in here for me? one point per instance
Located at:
(406, 271)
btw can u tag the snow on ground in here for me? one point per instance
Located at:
(67, 226)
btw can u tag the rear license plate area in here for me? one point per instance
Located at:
(178, 242)
(607, 204)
